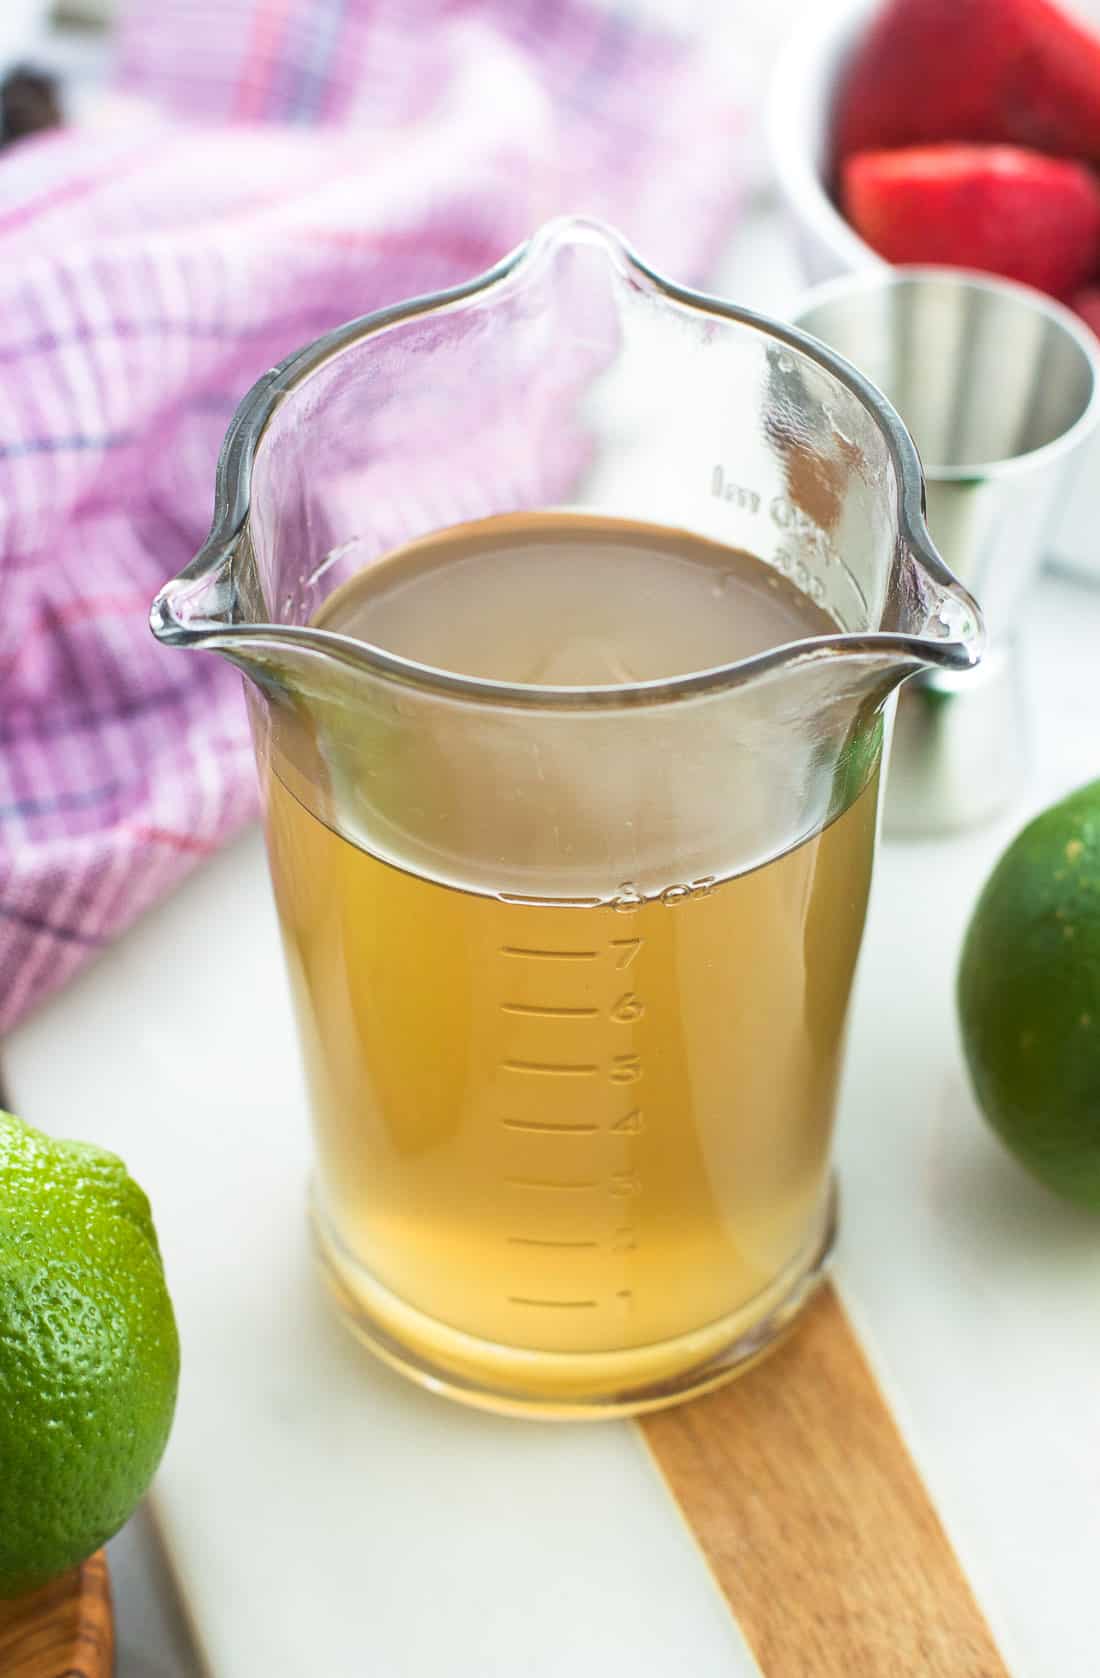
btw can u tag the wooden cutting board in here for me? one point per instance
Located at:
(65, 1630)
(800, 1490)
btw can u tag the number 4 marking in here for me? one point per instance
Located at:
(631, 1122)
(628, 948)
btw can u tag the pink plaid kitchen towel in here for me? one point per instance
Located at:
(302, 161)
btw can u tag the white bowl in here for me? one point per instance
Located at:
(800, 113)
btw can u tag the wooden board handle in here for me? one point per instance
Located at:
(815, 1521)
(65, 1630)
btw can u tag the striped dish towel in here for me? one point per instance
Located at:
(302, 161)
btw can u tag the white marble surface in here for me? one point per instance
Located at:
(152, 1636)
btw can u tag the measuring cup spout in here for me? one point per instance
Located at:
(198, 607)
(939, 616)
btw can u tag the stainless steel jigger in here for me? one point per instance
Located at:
(1000, 387)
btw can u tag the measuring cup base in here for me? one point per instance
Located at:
(569, 1386)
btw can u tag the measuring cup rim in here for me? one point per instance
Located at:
(212, 564)
(904, 275)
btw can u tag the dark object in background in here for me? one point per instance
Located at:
(28, 103)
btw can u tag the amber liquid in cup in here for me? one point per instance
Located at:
(568, 1148)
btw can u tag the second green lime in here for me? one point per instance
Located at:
(1029, 997)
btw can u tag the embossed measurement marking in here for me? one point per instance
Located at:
(559, 1304)
(541, 1241)
(542, 1183)
(550, 902)
(548, 1013)
(547, 1126)
(549, 955)
(618, 1178)
(552, 1068)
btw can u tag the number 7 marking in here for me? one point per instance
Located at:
(628, 948)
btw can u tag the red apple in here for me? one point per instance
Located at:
(1017, 71)
(998, 208)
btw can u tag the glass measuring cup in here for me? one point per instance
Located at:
(571, 962)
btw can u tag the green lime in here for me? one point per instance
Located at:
(89, 1358)
(1029, 997)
